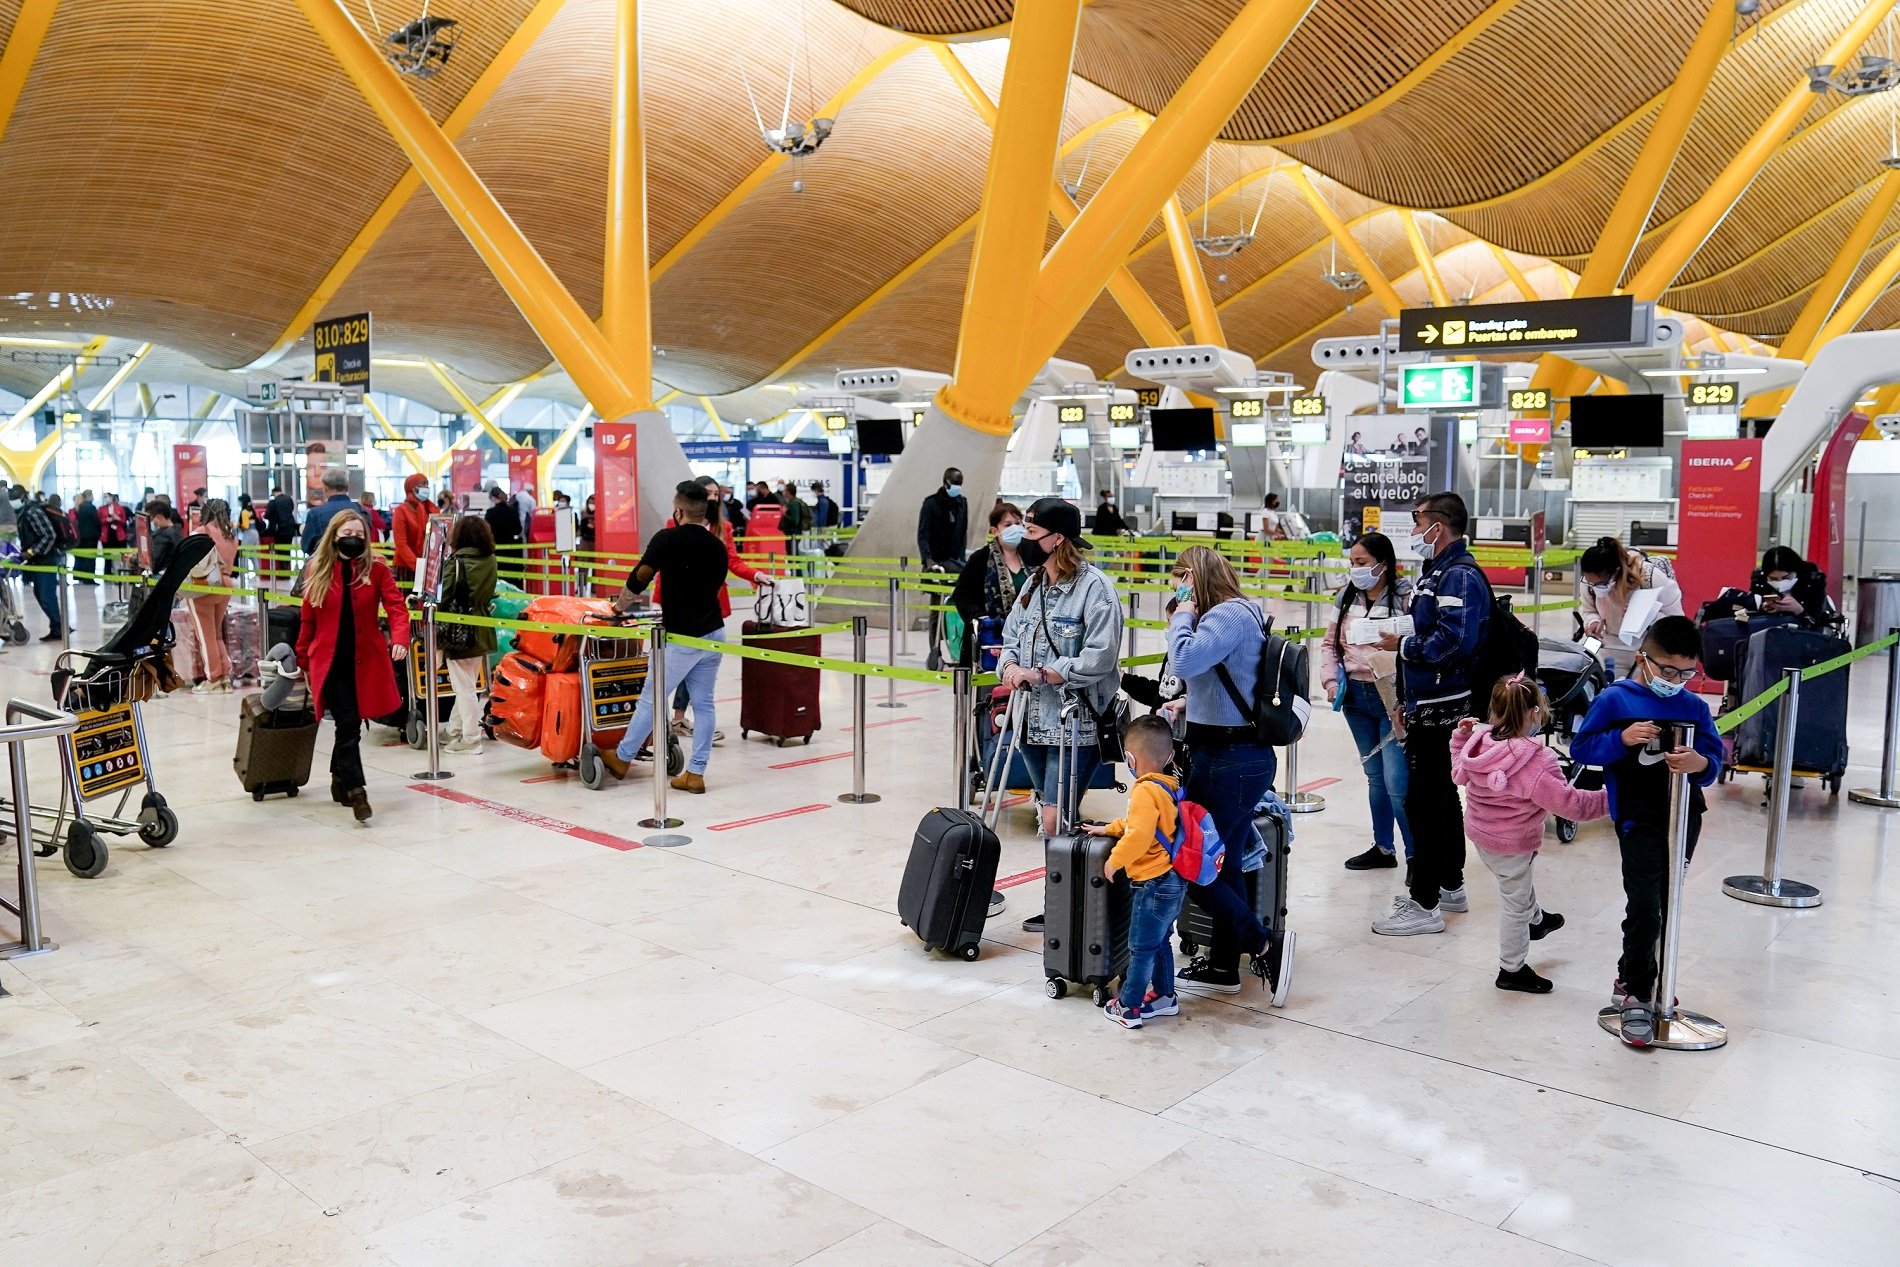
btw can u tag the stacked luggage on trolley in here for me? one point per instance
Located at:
(1750, 653)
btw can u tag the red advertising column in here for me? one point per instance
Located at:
(1718, 516)
(1827, 527)
(465, 474)
(522, 474)
(616, 501)
(188, 471)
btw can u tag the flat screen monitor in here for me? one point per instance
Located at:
(880, 435)
(1616, 422)
(1181, 430)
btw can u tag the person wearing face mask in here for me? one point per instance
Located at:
(1784, 585)
(1623, 734)
(1108, 517)
(340, 644)
(943, 525)
(1375, 591)
(990, 583)
(1610, 573)
(1451, 610)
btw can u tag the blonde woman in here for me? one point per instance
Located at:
(343, 587)
(207, 610)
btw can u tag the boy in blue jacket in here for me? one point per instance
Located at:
(1616, 735)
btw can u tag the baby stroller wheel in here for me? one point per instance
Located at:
(16, 632)
(1566, 831)
(85, 852)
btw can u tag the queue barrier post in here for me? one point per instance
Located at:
(1886, 796)
(965, 706)
(65, 608)
(45, 723)
(1676, 1028)
(263, 617)
(430, 710)
(900, 610)
(1296, 801)
(860, 640)
(662, 741)
(1768, 888)
(890, 647)
(1537, 590)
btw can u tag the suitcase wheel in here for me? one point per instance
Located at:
(258, 796)
(808, 741)
(675, 757)
(162, 830)
(779, 742)
(292, 792)
(970, 952)
(1055, 987)
(1100, 996)
(1188, 948)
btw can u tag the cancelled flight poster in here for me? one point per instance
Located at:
(617, 496)
(1384, 471)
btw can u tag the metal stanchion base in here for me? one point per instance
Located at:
(18, 950)
(1762, 891)
(892, 704)
(1685, 1031)
(664, 840)
(430, 776)
(852, 798)
(1303, 802)
(1872, 796)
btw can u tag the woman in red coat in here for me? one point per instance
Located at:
(342, 588)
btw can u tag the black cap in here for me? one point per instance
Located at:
(1055, 515)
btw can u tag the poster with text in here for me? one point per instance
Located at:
(465, 476)
(1383, 472)
(616, 498)
(1718, 515)
(190, 472)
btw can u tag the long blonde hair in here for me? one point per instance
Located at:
(1215, 581)
(323, 560)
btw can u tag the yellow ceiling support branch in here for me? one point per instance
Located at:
(23, 49)
(398, 197)
(212, 401)
(1014, 217)
(1121, 211)
(1375, 280)
(104, 394)
(549, 309)
(415, 458)
(1203, 316)
(675, 394)
(1847, 262)
(41, 455)
(1434, 285)
(719, 424)
(1863, 297)
(67, 377)
(148, 406)
(562, 443)
(474, 410)
(1693, 226)
(626, 308)
(1512, 271)
(1886, 402)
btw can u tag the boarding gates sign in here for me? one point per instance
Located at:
(1551, 325)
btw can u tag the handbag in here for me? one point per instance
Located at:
(1280, 708)
(784, 603)
(453, 639)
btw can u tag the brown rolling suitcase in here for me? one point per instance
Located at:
(778, 700)
(274, 749)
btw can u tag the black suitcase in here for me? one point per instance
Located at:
(273, 749)
(778, 700)
(1085, 918)
(1820, 740)
(1266, 894)
(1724, 644)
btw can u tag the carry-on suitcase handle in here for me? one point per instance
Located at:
(989, 807)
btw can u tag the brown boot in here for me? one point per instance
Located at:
(611, 762)
(689, 782)
(359, 804)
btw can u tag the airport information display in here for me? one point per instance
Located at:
(1548, 325)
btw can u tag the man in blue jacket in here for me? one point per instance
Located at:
(1451, 608)
(336, 482)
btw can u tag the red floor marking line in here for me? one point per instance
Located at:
(529, 817)
(790, 765)
(1014, 801)
(766, 818)
(895, 721)
(1023, 877)
(1316, 784)
(559, 776)
(922, 690)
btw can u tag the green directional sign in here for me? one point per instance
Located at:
(1453, 386)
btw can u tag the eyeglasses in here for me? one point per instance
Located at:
(1668, 672)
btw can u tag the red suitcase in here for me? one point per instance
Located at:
(778, 700)
(516, 698)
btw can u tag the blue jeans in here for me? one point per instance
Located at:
(697, 673)
(46, 590)
(1384, 760)
(1153, 908)
(1041, 760)
(1228, 780)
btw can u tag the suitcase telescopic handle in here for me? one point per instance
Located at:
(1008, 742)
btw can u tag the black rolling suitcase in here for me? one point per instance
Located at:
(945, 895)
(273, 748)
(1820, 740)
(1085, 918)
(1266, 894)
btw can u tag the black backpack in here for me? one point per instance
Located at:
(1509, 646)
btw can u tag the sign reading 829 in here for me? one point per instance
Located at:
(1714, 393)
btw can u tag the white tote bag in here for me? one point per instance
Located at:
(783, 602)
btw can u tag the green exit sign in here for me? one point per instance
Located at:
(1452, 386)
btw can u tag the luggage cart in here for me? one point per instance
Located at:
(613, 669)
(413, 732)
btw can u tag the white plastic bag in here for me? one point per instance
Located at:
(783, 602)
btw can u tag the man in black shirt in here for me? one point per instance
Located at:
(504, 522)
(1108, 517)
(690, 563)
(943, 525)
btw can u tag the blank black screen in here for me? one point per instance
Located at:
(880, 435)
(1178, 430)
(1616, 422)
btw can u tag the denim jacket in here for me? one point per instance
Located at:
(1083, 617)
(1451, 604)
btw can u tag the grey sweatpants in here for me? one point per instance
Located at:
(1518, 908)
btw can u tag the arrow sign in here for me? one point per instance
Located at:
(1428, 335)
(1516, 328)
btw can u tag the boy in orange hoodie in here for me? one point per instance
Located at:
(1142, 850)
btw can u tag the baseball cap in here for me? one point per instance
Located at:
(1060, 517)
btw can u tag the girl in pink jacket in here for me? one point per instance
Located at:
(1511, 782)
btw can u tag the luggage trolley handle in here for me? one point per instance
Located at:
(1069, 796)
(990, 807)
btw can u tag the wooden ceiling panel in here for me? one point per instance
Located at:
(915, 325)
(935, 17)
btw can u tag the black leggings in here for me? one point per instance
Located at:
(339, 699)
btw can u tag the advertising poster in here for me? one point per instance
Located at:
(431, 563)
(522, 472)
(1384, 472)
(616, 497)
(342, 348)
(465, 474)
(189, 471)
(1717, 517)
(319, 457)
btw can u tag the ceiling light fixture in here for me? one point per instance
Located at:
(421, 49)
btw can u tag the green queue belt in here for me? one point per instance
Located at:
(1742, 712)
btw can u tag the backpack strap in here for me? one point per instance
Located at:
(1248, 710)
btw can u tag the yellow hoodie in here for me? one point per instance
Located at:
(1150, 808)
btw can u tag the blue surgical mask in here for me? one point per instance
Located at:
(1011, 536)
(955, 490)
(1664, 689)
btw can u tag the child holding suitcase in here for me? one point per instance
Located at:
(1158, 888)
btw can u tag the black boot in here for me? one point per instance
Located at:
(359, 804)
(338, 792)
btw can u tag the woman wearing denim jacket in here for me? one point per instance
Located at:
(1060, 641)
(1214, 643)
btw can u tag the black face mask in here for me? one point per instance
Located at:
(351, 547)
(1032, 553)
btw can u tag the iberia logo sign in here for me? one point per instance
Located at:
(1725, 462)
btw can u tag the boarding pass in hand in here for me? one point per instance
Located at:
(1364, 633)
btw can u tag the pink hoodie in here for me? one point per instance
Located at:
(1510, 784)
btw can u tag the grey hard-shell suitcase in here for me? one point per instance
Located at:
(1085, 918)
(1267, 895)
(1820, 739)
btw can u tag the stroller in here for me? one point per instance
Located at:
(12, 597)
(1572, 675)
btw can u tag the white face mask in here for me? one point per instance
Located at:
(1422, 545)
(1365, 578)
(1782, 586)
(1601, 590)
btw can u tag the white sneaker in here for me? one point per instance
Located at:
(1454, 901)
(471, 746)
(683, 727)
(1408, 919)
(203, 688)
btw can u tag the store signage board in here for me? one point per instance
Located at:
(1449, 386)
(1609, 321)
(342, 347)
(1529, 431)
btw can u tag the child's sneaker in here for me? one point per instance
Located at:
(1639, 1024)
(1202, 977)
(1523, 979)
(1122, 1016)
(1547, 923)
(1160, 1005)
(1454, 901)
(1409, 919)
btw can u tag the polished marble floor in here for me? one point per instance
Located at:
(462, 1035)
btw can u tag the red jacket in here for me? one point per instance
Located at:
(376, 694)
(410, 521)
(736, 565)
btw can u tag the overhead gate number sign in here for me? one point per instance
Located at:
(1551, 325)
(342, 346)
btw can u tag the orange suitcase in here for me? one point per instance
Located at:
(561, 718)
(516, 696)
(560, 652)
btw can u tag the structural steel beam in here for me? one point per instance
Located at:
(212, 400)
(415, 458)
(1434, 284)
(23, 49)
(544, 302)
(1863, 297)
(1121, 211)
(1013, 221)
(546, 462)
(719, 424)
(1512, 271)
(626, 309)
(68, 377)
(104, 394)
(1375, 280)
(398, 197)
(1203, 316)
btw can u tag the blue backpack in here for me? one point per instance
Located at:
(1196, 847)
